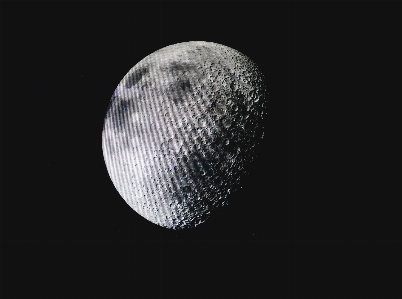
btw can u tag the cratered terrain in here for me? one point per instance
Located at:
(180, 130)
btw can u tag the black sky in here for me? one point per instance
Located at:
(320, 215)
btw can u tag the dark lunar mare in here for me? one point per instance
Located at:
(185, 85)
(176, 67)
(135, 77)
(180, 89)
(118, 112)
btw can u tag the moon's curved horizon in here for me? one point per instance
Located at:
(180, 129)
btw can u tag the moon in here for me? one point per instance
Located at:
(180, 130)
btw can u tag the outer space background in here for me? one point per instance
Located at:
(319, 215)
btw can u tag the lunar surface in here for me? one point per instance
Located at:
(180, 130)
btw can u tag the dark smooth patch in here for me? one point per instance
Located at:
(174, 95)
(176, 67)
(185, 85)
(135, 77)
(118, 113)
(178, 91)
